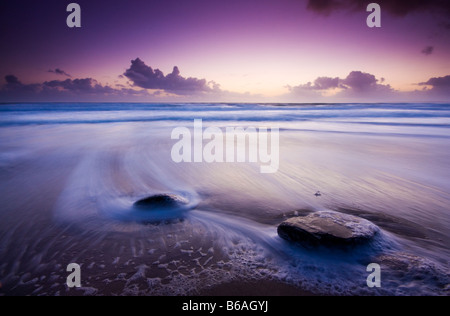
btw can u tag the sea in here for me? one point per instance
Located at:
(70, 174)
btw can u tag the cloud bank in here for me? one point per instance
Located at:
(144, 76)
(360, 86)
(62, 90)
(145, 84)
(148, 85)
(395, 7)
(439, 86)
(357, 85)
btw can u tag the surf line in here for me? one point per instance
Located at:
(227, 145)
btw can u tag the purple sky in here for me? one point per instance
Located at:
(234, 50)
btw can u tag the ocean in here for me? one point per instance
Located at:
(70, 173)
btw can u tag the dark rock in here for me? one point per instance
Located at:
(413, 275)
(327, 228)
(405, 263)
(161, 201)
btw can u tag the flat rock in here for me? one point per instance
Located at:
(327, 228)
(408, 263)
(413, 275)
(161, 201)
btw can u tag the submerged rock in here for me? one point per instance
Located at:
(161, 201)
(413, 275)
(327, 228)
(160, 208)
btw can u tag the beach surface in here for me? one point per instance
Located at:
(70, 174)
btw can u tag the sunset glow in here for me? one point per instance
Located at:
(255, 50)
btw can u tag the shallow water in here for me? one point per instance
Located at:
(70, 174)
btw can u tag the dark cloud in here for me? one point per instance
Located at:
(69, 89)
(356, 81)
(395, 7)
(356, 85)
(59, 72)
(359, 86)
(144, 76)
(360, 81)
(436, 89)
(87, 85)
(325, 83)
(145, 84)
(440, 85)
(12, 80)
(438, 82)
(324, 6)
(428, 50)
(13, 85)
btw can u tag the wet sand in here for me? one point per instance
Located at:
(63, 187)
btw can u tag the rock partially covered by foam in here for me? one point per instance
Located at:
(407, 273)
(327, 228)
(161, 201)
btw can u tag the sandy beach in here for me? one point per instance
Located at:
(67, 189)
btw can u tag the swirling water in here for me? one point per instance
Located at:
(70, 174)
